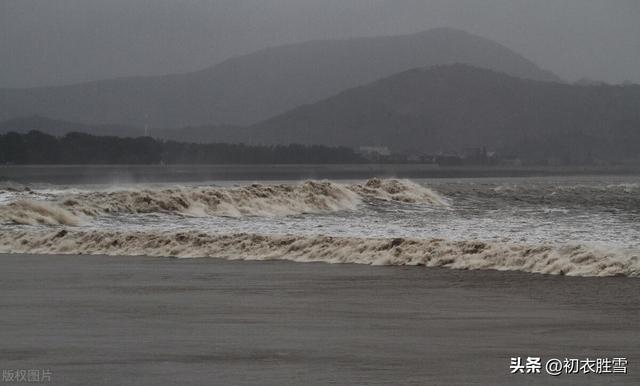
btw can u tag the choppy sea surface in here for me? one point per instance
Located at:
(583, 226)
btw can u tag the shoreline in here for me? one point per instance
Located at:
(69, 174)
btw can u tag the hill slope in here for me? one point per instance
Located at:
(254, 87)
(449, 108)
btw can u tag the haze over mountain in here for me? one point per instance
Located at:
(59, 128)
(250, 88)
(442, 109)
(60, 42)
(449, 108)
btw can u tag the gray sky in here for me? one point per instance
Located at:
(46, 42)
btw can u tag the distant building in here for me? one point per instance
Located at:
(475, 156)
(374, 150)
(509, 160)
(375, 153)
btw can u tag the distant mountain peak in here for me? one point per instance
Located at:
(447, 108)
(443, 30)
(250, 88)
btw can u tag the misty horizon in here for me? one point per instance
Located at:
(76, 41)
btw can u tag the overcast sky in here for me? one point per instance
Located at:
(45, 42)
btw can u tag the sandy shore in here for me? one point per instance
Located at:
(137, 321)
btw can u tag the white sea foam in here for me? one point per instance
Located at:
(573, 260)
(252, 200)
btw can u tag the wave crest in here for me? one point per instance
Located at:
(576, 260)
(399, 191)
(252, 200)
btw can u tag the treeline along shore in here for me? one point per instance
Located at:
(78, 148)
(75, 148)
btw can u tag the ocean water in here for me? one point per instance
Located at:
(581, 226)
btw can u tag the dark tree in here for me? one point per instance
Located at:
(77, 148)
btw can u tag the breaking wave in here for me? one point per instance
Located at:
(38, 212)
(252, 200)
(399, 191)
(573, 260)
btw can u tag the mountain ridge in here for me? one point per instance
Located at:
(253, 87)
(449, 108)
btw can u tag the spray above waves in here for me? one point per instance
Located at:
(577, 260)
(252, 200)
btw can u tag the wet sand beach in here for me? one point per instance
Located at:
(135, 321)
